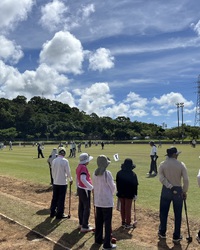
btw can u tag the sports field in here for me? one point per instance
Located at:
(22, 165)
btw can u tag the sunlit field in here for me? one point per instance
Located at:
(22, 163)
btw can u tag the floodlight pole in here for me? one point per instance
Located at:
(178, 105)
(182, 105)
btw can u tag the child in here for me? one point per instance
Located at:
(104, 189)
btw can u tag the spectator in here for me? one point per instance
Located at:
(154, 157)
(40, 148)
(84, 188)
(104, 189)
(127, 190)
(52, 156)
(61, 173)
(171, 174)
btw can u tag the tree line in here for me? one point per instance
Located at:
(44, 119)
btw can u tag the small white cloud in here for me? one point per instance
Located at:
(63, 53)
(170, 100)
(12, 12)
(9, 51)
(196, 27)
(53, 15)
(101, 60)
(136, 100)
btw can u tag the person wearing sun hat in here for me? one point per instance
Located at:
(127, 190)
(84, 188)
(174, 178)
(104, 189)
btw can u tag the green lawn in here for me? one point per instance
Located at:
(22, 163)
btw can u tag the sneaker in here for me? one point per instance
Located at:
(123, 224)
(86, 230)
(63, 216)
(161, 235)
(128, 226)
(112, 246)
(177, 239)
(198, 239)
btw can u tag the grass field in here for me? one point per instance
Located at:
(22, 163)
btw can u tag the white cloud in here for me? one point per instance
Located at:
(136, 100)
(53, 14)
(101, 60)
(12, 12)
(88, 10)
(9, 51)
(170, 100)
(63, 53)
(44, 81)
(94, 98)
(196, 27)
(66, 97)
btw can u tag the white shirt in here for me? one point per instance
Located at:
(104, 189)
(61, 171)
(153, 150)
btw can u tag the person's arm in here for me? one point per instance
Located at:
(185, 179)
(111, 182)
(163, 179)
(68, 172)
(85, 182)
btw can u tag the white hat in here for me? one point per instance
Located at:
(61, 149)
(84, 158)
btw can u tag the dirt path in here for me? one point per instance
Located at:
(13, 236)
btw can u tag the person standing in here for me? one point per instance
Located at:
(127, 190)
(61, 174)
(154, 157)
(10, 145)
(84, 188)
(174, 178)
(39, 149)
(104, 189)
(52, 156)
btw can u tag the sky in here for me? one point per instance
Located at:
(132, 58)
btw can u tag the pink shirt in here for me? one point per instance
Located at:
(82, 169)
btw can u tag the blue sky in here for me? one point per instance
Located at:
(132, 58)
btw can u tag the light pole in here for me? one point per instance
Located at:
(182, 105)
(178, 105)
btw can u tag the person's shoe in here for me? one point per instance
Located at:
(161, 235)
(64, 216)
(112, 246)
(128, 226)
(86, 230)
(123, 224)
(198, 238)
(177, 239)
(52, 214)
